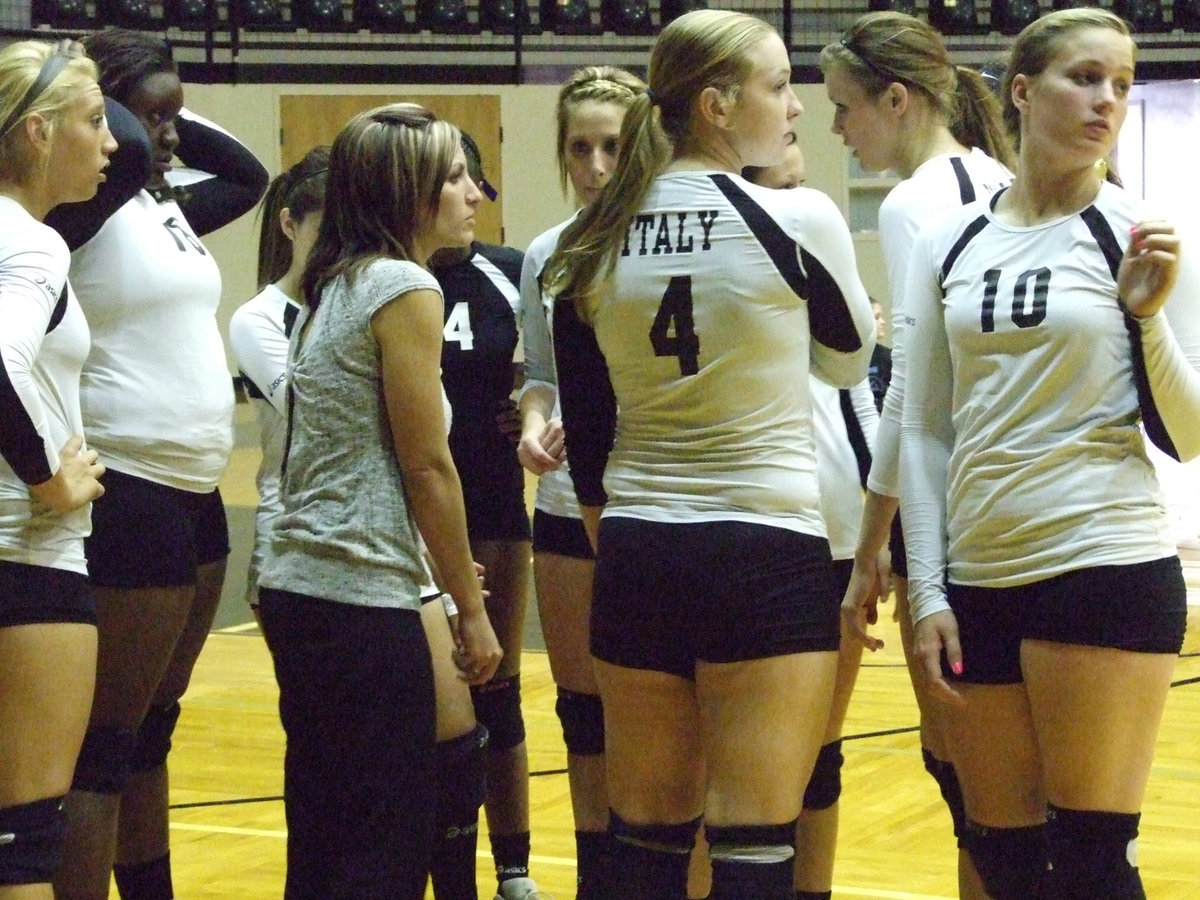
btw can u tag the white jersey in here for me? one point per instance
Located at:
(844, 423)
(724, 299)
(43, 343)
(259, 331)
(555, 493)
(1021, 452)
(939, 187)
(157, 396)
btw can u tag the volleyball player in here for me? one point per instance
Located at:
(690, 307)
(480, 284)
(54, 146)
(844, 426)
(1048, 599)
(157, 403)
(591, 106)
(902, 104)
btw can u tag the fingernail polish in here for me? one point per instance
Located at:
(957, 667)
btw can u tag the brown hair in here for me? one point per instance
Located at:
(701, 49)
(885, 47)
(387, 167)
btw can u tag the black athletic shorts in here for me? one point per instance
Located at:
(146, 534)
(667, 595)
(40, 595)
(1140, 608)
(561, 535)
(493, 486)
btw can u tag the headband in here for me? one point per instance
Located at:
(883, 75)
(51, 69)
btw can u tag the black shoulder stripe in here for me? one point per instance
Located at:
(966, 190)
(858, 440)
(977, 225)
(60, 308)
(290, 312)
(1156, 429)
(829, 315)
(1103, 233)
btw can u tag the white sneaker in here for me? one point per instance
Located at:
(521, 889)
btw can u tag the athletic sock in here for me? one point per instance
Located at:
(146, 880)
(510, 852)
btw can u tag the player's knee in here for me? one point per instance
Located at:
(947, 779)
(154, 738)
(582, 718)
(751, 860)
(498, 709)
(1092, 855)
(675, 839)
(825, 784)
(461, 783)
(1011, 862)
(104, 760)
(31, 841)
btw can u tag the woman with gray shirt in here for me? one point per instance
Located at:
(367, 472)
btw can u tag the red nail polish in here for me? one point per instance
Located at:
(957, 667)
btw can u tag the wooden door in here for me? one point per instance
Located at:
(309, 120)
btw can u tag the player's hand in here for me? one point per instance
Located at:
(508, 420)
(77, 481)
(860, 605)
(1148, 268)
(545, 450)
(478, 653)
(932, 635)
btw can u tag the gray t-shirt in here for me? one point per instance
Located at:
(346, 533)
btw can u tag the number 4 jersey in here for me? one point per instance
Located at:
(725, 296)
(1020, 441)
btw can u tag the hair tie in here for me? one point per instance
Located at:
(49, 71)
(650, 96)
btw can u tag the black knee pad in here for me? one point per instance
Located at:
(154, 738)
(664, 838)
(751, 861)
(1011, 862)
(104, 760)
(825, 783)
(31, 841)
(649, 862)
(947, 779)
(461, 781)
(498, 709)
(582, 718)
(1090, 855)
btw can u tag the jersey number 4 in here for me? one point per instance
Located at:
(458, 326)
(674, 331)
(1022, 317)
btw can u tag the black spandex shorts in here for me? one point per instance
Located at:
(561, 535)
(146, 534)
(668, 595)
(494, 495)
(40, 595)
(1141, 608)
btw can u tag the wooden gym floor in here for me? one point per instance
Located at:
(228, 836)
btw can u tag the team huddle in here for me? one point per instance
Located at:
(722, 500)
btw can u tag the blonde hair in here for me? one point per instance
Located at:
(700, 49)
(885, 47)
(1035, 47)
(598, 84)
(20, 66)
(387, 167)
